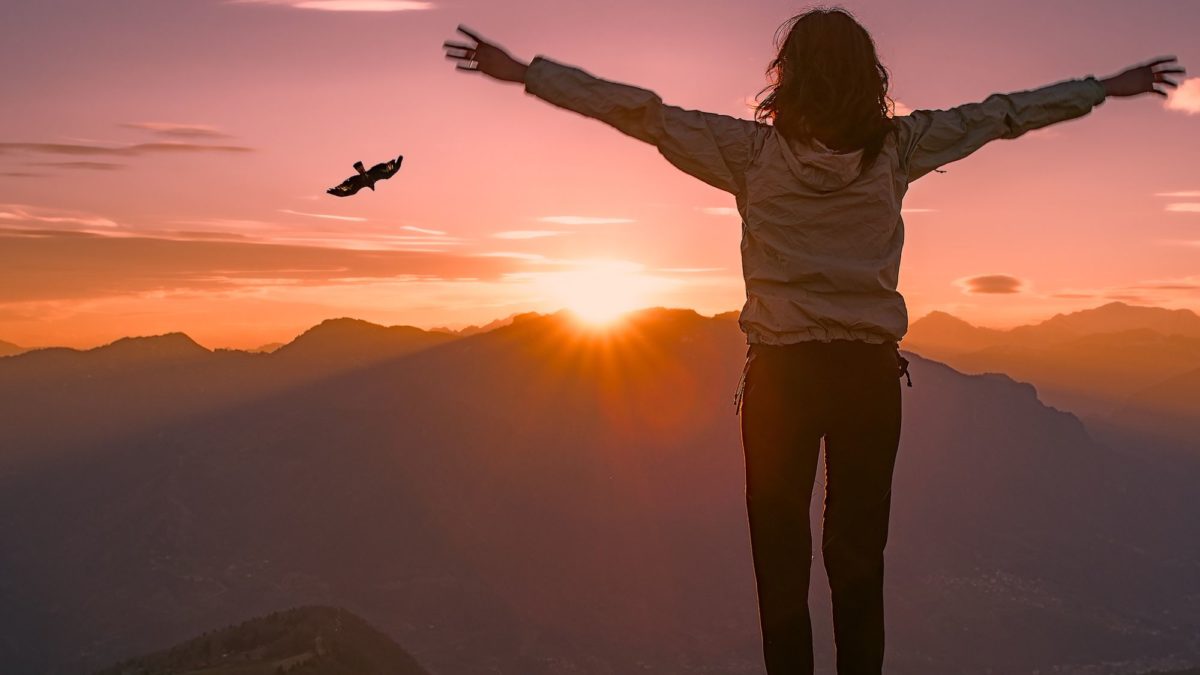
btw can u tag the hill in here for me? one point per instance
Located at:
(308, 640)
(8, 349)
(1114, 365)
(546, 499)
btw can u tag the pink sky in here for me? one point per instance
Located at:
(162, 164)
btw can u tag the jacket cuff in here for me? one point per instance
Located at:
(536, 75)
(1098, 91)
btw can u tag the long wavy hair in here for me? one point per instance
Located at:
(827, 83)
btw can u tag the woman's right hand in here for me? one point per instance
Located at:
(1142, 79)
(485, 57)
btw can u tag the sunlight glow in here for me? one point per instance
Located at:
(601, 291)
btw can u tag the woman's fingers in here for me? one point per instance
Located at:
(1160, 60)
(463, 29)
(457, 45)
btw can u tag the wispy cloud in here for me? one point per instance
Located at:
(81, 149)
(690, 270)
(83, 165)
(1184, 207)
(1185, 98)
(24, 213)
(989, 284)
(917, 210)
(177, 130)
(1157, 291)
(421, 230)
(528, 234)
(102, 264)
(1183, 194)
(719, 210)
(584, 220)
(326, 216)
(510, 254)
(346, 5)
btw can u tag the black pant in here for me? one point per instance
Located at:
(849, 393)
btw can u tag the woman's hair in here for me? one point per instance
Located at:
(827, 83)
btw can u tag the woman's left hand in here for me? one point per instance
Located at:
(1144, 79)
(485, 57)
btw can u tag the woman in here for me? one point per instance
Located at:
(819, 192)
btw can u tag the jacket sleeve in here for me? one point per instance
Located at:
(714, 148)
(927, 139)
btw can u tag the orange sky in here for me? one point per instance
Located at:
(162, 165)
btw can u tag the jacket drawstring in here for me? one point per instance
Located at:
(740, 394)
(903, 364)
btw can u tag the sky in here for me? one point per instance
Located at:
(163, 164)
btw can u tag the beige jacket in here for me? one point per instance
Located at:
(820, 241)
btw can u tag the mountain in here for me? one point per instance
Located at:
(1100, 363)
(356, 343)
(8, 349)
(1114, 317)
(64, 402)
(311, 640)
(545, 499)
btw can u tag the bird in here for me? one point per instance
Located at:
(366, 179)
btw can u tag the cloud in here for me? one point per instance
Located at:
(22, 174)
(900, 109)
(917, 210)
(719, 210)
(353, 219)
(346, 5)
(1185, 98)
(177, 130)
(81, 149)
(584, 220)
(25, 214)
(46, 264)
(421, 230)
(84, 165)
(1159, 291)
(690, 270)
(1185, 194)
(528, 234)
(989, 284)
(1184, 207)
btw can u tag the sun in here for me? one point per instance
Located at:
(600, 292)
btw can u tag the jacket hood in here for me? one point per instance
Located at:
(818, 167)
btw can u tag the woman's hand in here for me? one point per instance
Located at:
(487, 58)
(1142, 79)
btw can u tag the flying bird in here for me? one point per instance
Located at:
(365, 178)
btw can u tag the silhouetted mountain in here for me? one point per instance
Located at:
(155, 380)
(1095, 363)
(489, 326)
(8, 348)
(353, 342)
(266, 349)
(1170, 408)
(309, 640)
(948, 334)
(545, 499)
(1114, 317)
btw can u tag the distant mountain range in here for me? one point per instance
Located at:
(304, 640)
(8, 348)
(1131, 372)
(545, 499)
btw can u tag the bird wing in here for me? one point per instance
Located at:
(348, 187)
(386, 169)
